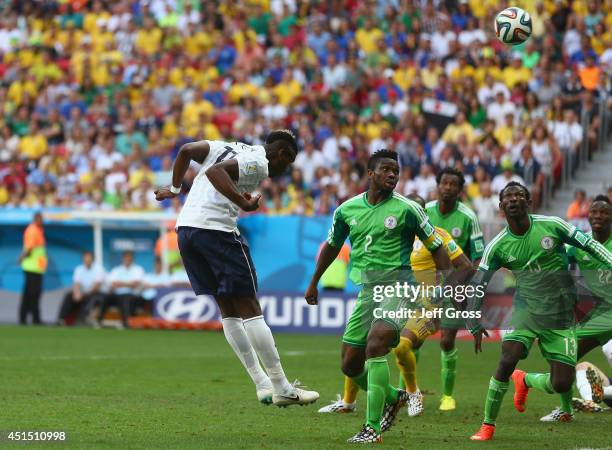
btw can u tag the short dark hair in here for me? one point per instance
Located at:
(87, 252)
(416, 198)
(381, 154)
(511, 184)
(451, 171)
(602, 198)
(283, 135)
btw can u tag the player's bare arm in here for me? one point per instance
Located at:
(327, 256)
(441, 259)
(474, 303)
(222, 176)
(192, 151)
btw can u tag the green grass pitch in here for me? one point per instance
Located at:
(179, 390)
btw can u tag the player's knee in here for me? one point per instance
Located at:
(402, 349)
(562, 385)
(447, 342)
(351, 368)
(507, 363)
(377, 346)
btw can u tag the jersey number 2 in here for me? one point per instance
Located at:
(368, 242)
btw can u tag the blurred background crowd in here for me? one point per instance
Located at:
(98, 96)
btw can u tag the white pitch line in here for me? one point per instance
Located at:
(288, 353)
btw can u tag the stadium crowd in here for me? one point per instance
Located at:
(98, 96)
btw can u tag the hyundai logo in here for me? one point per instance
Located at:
(184, 306)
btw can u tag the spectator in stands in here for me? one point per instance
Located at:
(486, 205)
(508, 175)
(579, 208)
(33, 260)
(498, 109)
(343, 82)
(125, 283)
(87, 282)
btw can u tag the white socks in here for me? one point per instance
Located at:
(261, 338)
(608, 392)
(238, 339)
(583, 385)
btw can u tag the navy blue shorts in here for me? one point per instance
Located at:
(217, 262)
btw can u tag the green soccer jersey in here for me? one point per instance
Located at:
(463, 226)
(539, 262)
(381, 235)
(598, 276)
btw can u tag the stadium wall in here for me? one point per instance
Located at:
(283, 248)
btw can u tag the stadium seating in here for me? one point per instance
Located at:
(101, 93)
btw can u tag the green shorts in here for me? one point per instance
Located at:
(555, 345)
(394, 312)
(598, 327)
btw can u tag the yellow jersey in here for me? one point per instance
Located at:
(421, 259)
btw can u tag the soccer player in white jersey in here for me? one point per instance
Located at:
(216, 257)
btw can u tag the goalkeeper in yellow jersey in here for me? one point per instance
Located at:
(417, 329)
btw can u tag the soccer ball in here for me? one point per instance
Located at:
(513, 26)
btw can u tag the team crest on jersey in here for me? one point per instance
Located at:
(390, 222)
(547, 243)
(353, 222)
(456, 232)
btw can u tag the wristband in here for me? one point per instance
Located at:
(175, 190)
(475, 329)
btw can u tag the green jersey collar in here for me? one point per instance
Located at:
(524, 235)
(444, 216)
(365, 200)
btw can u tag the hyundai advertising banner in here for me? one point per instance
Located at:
(289, 312)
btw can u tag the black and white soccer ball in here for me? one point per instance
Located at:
(513, 26)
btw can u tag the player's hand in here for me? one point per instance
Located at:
(163, 193)
(478, 339)
(250, 202)
(312, 294)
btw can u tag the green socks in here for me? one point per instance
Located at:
(449, 365)
(541, 382)
(495, 395)
(566, 402)
(378, 387)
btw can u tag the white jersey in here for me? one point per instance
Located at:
(207, 208)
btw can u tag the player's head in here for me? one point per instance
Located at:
(417, 198)
(383, 170)
(281, 150)
(514, 200)
(450, 183)
(600, 214)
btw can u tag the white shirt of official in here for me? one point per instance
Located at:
(126, 274)
(207, 208)
(86, 278)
